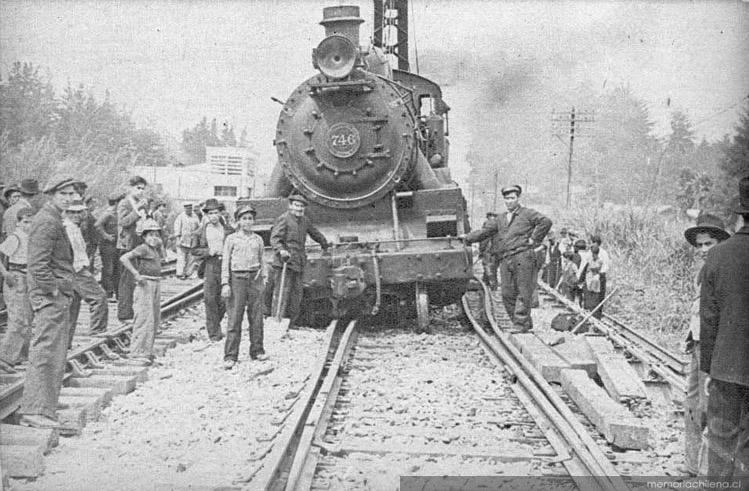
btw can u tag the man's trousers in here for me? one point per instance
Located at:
(518, 273)
(147, 304)
(246, 296)
(125, 292)
(110, 267)
(695, 412)
(49, 346)
(15, 343)
(87, 289)
(292, 295)
(489, 263)
(727, 430)
(215, 307)
(185, 261)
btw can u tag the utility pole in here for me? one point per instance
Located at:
(496, 180)
(574, 118)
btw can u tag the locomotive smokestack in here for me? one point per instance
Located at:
(343, 20)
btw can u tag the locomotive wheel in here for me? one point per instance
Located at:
(422, 309)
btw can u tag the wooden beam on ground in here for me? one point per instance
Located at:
(19, 461)
(576, 353)
(614, 422)
(541, 356)
(23, 435)
(619, 378)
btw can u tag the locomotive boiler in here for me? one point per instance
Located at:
(366, 144)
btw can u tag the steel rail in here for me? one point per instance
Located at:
(577, 437)
(10, 396)
(654, 364)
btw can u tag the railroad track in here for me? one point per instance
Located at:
(511, 421)
(92, 352)
(665, 364)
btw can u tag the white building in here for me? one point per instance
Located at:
(227, 174)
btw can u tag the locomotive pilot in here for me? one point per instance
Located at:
(519, 231)
(287, 240)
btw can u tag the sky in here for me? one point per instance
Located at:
(170, 63)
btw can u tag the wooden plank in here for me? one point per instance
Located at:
(23, 435)
(103, 393)
(541, 356)
(618, 377)
(576, 353)
(117, 384)
(614, 422)
(140, 373)
(19, 461)
(92, 405)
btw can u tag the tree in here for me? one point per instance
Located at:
(735, 161)
(27, 105)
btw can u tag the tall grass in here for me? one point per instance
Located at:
(652, 265)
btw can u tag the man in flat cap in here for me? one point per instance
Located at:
(18, 197)
(130, 210)
(708, 232)
(50, 282)
(106, 226)
(487, 251)
(185, 229)
(287, 238)
(724, 345)
(519, 232)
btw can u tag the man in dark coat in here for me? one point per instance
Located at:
(130, 210)
(518, 232)
(106, 227)
(50, 282)
(724, 339)
(287, 238)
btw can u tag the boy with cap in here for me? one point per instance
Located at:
(208, 252)
(18, 197)
(724, 343)
(185, 227)
(703, 236)
(519, 231)
(50, 282)
(15, 343)
(242, 284)
(287, 238)
(85, 285)
(147, 294)
(130, 210)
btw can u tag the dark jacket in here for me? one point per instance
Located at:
(724, 310)
(200, 252)
(290, 233)
(50, 255)
(127, 219)
(513, 237)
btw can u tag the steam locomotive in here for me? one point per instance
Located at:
(367, 145)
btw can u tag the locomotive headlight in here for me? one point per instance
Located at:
(335, 56)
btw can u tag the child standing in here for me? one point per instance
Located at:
(242, 269)
(15, 344)
(147, 295)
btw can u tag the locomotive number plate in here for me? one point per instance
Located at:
(343, 140)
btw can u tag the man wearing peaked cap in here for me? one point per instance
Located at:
(20, 198)
(242, 285)
(518, 233)
(208, 254)
(287, 238)
(724, 344)
(50, 281)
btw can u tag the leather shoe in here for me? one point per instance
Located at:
(229, 364)
(260, 357)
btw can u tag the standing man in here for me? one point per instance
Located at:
(88, 230)
(130, 211)
(242, 286)
(18, 197)
(185, 227)
(520, 231)
(208, 252)
(50, 282)
(159, 215)
(488, 253)
(724, 339)
(706, 234)
(84, 284)
(287, 239)
(605, 265)
(106, 227)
